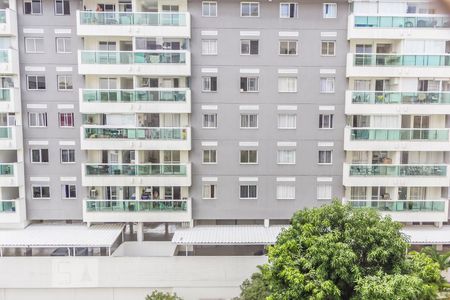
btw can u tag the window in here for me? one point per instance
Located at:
(249, 47)
(327, 85)
(288, 10)
(63, 45)
(69, 191)
(249, 9)
(328, 48)
(285, 192)
(326, 121)
(62, 7)
(286, 157)
(288, 47)
(209, 191)
(287, 84)
(35, 82)
(324, 192)
(67, 156)
(209, 120)
(34, 45)
(209, 9)
(249, 121)
(66, 120)
(287, 121)
(325, 156)
(209, 47)
(40, 192)
(249, 84)
(209, 156)
(329, 10)
(39, 155)
(36, 119)
(248, 191)
(249, 157)
(209, 84)
(32, 7)
(64, 82)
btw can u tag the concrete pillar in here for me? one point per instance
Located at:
(438, 224)
(131, 228)
(166, 228)
(140, 231)
(439, 247)
(266, 222)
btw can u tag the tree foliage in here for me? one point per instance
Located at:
(255, 288)
(157, 295)
(339, 252)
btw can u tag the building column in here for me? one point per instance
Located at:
(140, 232)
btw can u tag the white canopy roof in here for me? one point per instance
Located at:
(427, 234)
(227, 235)
(67, 235)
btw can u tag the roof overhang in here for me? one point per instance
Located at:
(427, 234)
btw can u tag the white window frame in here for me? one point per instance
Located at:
(289, 4)
(63, 12)
(66, 49)
(65, 79)
(327, 194)
(249, 41)
(212, 191)
(324, 14)
(326, 155)
(38, 116)
(211, 117)
(28, 77)
(289, 42)
(209, 3)
(207, 84)
(248, 156)
(279, 151)
(39, 151)
(328, 43)
(209, 162)
(69, 151)
(34, 44)
(329, 82)
(291, 80)
(248, 121)
(284, 195)
(250, 11)
(248, 185)
(65, 115)
(280, 115)
(31, 11)
(64, 191)
(41, 187)
(248, 79)
(322, 121)
(209, 50)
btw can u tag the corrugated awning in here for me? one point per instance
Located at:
(427, 234)
(227, 235)
(67, 235)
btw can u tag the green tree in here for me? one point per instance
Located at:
(443, 259)
(157, 295)
(254, 288)
(340, 252)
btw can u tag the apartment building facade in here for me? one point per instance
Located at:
(222, 112)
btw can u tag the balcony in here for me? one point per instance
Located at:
(396, 139)
(9, 61)
(155, 100)
(408, 210)
(98, 174)
(8, 22)
(398, 102)
(12, 211)
(11, 137)
(11, 174)
(395, 175)
(399, 27)
(397, 65)
(137, 138)
(154, 24)
(137, 210)
(158, 63)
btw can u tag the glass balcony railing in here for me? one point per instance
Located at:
(7, 206)
(5, 132)
(402, 21)
(407, 134)
(2, 16)
(6, 169)
(129, 57)
(136, 170)
(155, 133)
(401, 205)
(401, 60)
(136, 205)
(372, 97)
(398, 170)
(115, 96)
(4, 56)
(133, 18)
(5, 94)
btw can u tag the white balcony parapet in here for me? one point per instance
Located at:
(11, 174)
(11, 137)
(12, 213)
(8, 22)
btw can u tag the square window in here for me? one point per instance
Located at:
(39, 155)
(249, 47)
(34, 45)
(328, 48)
(209, 156)
(65, 83)
(209, 84)
(287, 121)
(209, 191)
(249, 156)
(288, 10)
(36, 119)
(285, 192)
(326, 121)
(286, 157)
(287, 84)
(209, 47)
(209, 120)
(32, 7)
(249, 9)
(63, 45)
(35, 82)
(288, 47)
(67, 156)
(62, 7)
(69, 191)
(40, 192)
(209, 9)
(66, 120)
(248, 191)
(325, 156)
(329, 10)
(327, 84)
(324, 192)
(249, 84)
(249, 121)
